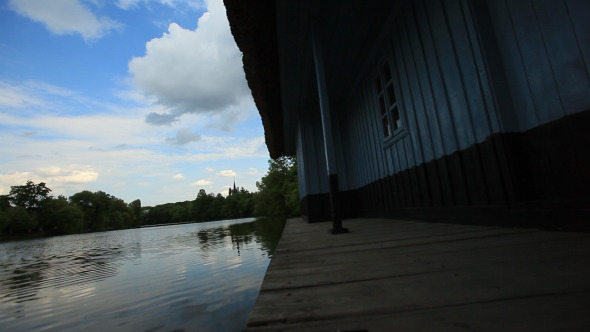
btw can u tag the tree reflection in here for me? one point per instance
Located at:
(264, 231)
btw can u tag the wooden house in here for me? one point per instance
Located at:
(466, 110)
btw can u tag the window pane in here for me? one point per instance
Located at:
(396, 120)
(386, 73)
(386, 127)
(382, 105)
(390, 94)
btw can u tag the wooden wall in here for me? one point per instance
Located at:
(489, 93)
(545, 48)
(446, 106)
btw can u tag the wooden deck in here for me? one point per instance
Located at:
(389, 275)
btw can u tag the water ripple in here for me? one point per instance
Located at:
(174, 277)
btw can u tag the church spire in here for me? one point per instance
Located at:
(234, 190)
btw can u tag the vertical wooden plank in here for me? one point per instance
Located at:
(376, 143)
(483, 78)
(420, 84)
(357, 157)
(415, 124)
(435, 102)
(405, 175)
(439, 103)
(405, 99)
(410, 142)
(403, 157)
(446, 123)
(398, 185)
(411, 93)
(432, 23)
(474, 104)
(565, 57)
(468, 75)
(370, 127)
(360, 156)
(490, 164)
(578, 12)
(352, 149)
(429, 107)
(536, 63)
(450, 74)
(428, 116)
(514, 70)
(413, 190)
(370, 170)
(448, 198)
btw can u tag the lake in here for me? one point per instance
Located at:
(189, 277)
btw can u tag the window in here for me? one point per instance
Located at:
(390, 119)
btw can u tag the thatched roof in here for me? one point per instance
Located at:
(253, 25)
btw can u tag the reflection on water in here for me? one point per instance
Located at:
(184, 277)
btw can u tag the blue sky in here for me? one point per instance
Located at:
(138, 98)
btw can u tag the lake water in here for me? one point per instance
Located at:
(190, 277)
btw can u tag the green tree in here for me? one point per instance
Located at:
(50, 218)
(278, 190)
(3, 221)
(4, 202)
(4, 207)
(72, 220)
(20, 221)
(30, 196)
(136, 212)
(119, 214)
(86, 201)
(230, 208)
(215, 211)
(200, 206)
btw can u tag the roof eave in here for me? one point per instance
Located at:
(253, 25)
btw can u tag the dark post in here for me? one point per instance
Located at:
(328, 138)
(335, 206)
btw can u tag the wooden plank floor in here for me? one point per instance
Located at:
(388, 275)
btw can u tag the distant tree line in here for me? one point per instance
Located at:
(277, 196)
(31, 208)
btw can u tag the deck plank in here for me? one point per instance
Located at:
(386, 274)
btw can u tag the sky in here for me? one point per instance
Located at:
(142, 99)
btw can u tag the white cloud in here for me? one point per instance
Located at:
(69, 174)
(131, 4)
(54, 176)
(110, 147)
(65, 17)
(14, 96)
(178, 176)
(227, 173)
(194, 71)
(13, 179)
(76, 176)
(253, 171)
(201, 183)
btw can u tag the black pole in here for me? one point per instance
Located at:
(335, 206)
